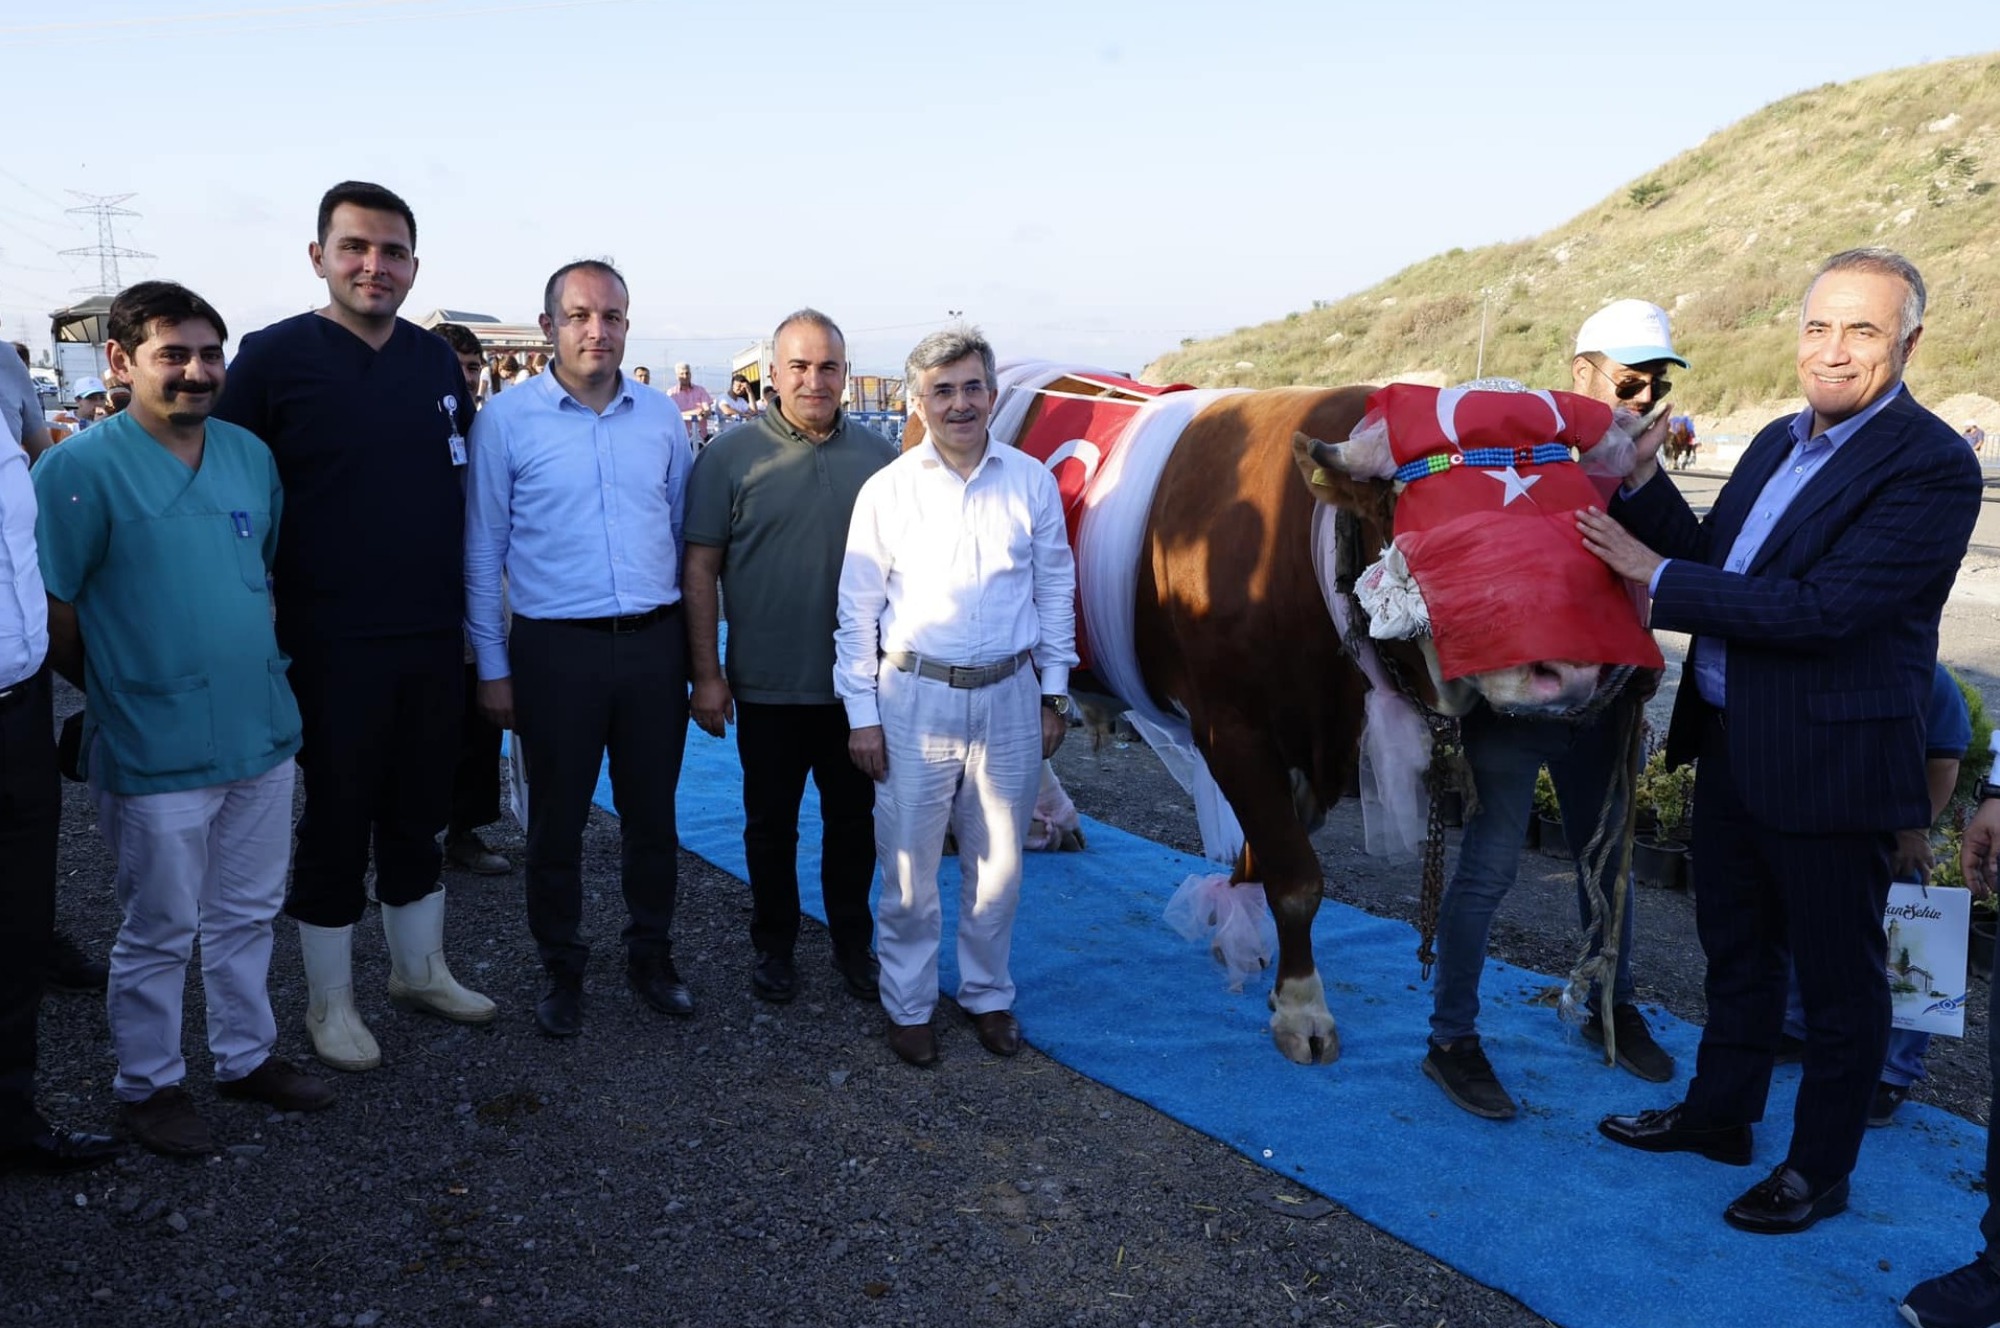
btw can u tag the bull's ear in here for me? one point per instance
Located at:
(1319, 463)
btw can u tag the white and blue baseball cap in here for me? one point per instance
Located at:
(1630, 332)
(89, 387)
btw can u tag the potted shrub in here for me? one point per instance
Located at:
(1548, 816)
(1945, 870)
(1972, 770)
(1660, 858)
(1449, 798)
(1979, 940)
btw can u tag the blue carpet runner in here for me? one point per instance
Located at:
(1581, 1231)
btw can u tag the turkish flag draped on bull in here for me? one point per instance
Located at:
(1486, 553)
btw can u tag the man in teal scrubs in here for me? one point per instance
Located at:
(157, 533)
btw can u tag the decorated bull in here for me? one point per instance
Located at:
(1259, 600)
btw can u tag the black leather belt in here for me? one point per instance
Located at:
(20, 691)
(959, 675)
(630, 622)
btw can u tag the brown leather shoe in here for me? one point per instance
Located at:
(915, 1044)
(999, 1032)
(168, 1124)
(280, 1084)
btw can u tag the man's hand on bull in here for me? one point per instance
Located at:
(1054, 727)
(1615, 545)
(869, 752)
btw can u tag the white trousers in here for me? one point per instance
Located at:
(969, 759)
(207, 862)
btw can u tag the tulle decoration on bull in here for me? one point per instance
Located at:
(1486, 570)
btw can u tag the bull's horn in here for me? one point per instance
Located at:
(1326, 456)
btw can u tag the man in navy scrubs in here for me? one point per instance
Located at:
(367, 416)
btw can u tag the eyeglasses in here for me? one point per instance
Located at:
(944, 394)
(1627, 388)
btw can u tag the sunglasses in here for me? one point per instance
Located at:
(1627, 388)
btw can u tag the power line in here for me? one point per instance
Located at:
(56, 202)
(106, 251)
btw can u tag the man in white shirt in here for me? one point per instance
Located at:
(30, 799)
(957, 575)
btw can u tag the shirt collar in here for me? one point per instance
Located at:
(559, 395)
(1847, 428)
(783, 424)
(929, 459)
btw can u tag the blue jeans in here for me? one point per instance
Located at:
(1505, 754)
(1904, 1063)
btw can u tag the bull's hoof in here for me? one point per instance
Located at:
(1309, 1050)
(1072, 842)
(1301, 1024)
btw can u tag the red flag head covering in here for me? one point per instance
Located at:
(1486, 522)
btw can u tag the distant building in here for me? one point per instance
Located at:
(495, 337)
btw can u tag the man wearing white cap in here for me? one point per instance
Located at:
(93, 403)
(695, 404)
(1623, 352)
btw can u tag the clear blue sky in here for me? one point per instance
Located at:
(1090, 180)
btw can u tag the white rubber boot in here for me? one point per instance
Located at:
(339, 1037)
(418, 977)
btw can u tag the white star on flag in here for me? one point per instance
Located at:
(1516, 483)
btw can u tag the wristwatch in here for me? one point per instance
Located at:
(1989, 790)
(1060, 704)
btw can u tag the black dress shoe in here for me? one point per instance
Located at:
(560, 1013)
(775, 978)
(861, 972)
(168, 1124)
(55, 1152)
(1664, 1132)
(914, 1044)
(280, 1084)
(999, 1032)
(1783, 1203)
(659, 985)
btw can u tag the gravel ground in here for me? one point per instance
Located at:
(754, 1164)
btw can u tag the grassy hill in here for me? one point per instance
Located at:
(1724, 236)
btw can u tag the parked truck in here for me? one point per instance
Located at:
(79, 333)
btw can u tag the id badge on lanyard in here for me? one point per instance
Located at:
(449, 405)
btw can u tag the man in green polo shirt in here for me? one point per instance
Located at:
(767, 513)
(157, 530)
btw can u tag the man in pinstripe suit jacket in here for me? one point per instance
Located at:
(1812, 591)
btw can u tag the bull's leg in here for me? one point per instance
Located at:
(1253, 776)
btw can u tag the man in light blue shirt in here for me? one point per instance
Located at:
(1809, 454)
(576, 495)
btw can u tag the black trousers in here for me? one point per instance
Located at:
(475, 785)
(30, 815)
(381, 742)
(578, 693)
(1819, 897)
(778, 746)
